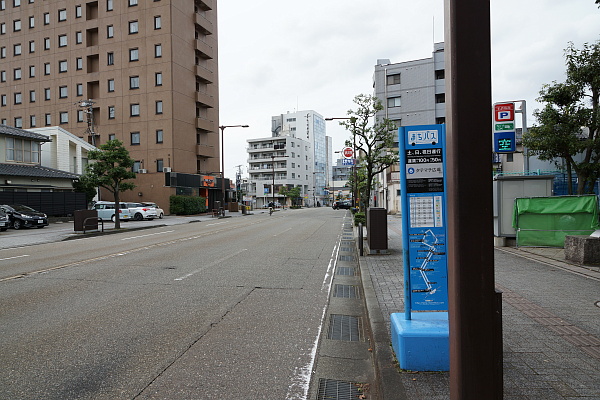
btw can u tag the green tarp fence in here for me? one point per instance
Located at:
(545, 221)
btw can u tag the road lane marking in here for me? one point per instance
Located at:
(217, 262)
(11, 258)
(216, 223)
(150, 234)
(280, 233)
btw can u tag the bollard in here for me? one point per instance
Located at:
(360, 239)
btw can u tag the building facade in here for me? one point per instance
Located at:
(308, 126)
(142, 72)
(412, 93)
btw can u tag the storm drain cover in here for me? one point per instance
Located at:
(345, 248)
(347, 243)
(349, 271)
(344, 327)
(331, 389)
(346, 291)
(346, 258)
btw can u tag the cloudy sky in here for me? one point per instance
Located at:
(278, 55)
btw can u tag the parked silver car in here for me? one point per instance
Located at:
(106, 211)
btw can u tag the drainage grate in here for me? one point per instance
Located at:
(346, 291)
(344, 327)
(345, 248)
(331, 389)
(350, 243)
(348, 271)
(346, 258)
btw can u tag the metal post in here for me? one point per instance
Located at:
(474, 364)
(222, 128)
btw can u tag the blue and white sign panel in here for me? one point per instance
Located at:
(422, 178)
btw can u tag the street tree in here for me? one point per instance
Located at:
(569, 122)
(293, 194)
(85, 185)
(373, 139)
(111, 170)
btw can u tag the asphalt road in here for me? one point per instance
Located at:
(223, 309)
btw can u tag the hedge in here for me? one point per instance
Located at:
(187, 205)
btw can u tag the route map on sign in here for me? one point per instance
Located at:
(428, 277)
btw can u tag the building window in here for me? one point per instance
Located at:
(111, 112)
(62, 40)
(47, 94)
(159, 107)
(18, 122)
(62, 66)
(159, 165)
(2, 5)
(46, 18)
(111, 85)
(32, 71)
(18, 98)
(110, 58)
(133, 27)
(134, 110)
(78, 12)
(79, 63)
(393, 102)
(32, 121)
(16, 3)
(32, 96)
(109, 5)
(440, 98)
(2, 76)
(134, 54)
(440, 74)
(134, 82)
(17, 49)
(3, 52)
(47, 119)
(79, 89)
(133, 3)
(78, 37)
(31, 22)
(47, 69)
(79, 115)
(159, 136)
(158, 79)
(112, 136)
(17, 74)
(157, 50)
(110, 31)
(393, 79)
(64, 117)
(62, 92)
(157, 22)
(32, 46)
(62, 15)
(135, 138)
(2, 28)
(3, 100)
(46, 43)
(16, 25)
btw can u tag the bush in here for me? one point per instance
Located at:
(360, 218)
(187, 205)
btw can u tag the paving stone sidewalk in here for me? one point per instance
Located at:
(551, 324)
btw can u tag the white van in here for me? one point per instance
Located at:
(106, 211)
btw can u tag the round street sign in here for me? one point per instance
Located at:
(347, 152)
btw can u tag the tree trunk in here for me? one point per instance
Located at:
(117, 213)
(569, 179)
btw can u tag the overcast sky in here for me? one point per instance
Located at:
(277, 56)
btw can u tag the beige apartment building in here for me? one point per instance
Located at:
(145, 72)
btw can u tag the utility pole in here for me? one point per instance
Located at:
(87, 106)
(238, 182)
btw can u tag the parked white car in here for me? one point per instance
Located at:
(140, 212)
(159, 211)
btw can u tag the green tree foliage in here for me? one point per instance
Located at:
(187, 205)
(85, 185)
(111, 171)
(569, 123)
(372, 139)
(293, 193)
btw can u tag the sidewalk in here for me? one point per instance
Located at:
(551, 324)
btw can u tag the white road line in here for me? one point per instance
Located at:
(217, 262)
(11, 258)
(150, 234)
(216, 223)
(280, 233)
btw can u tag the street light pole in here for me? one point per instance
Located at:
(222, 128)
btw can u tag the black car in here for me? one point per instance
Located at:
(4, 221)
(346, 205)
(22, 216)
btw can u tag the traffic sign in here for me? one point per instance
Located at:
(348, 161)
(348, 152)
(504, 112)
(504, 142)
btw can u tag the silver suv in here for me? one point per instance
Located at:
(106, 211)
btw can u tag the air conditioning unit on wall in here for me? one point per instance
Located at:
(166, 169)
(142, 171)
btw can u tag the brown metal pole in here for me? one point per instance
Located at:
(474, 364)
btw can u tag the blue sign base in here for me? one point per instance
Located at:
(421, 343)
